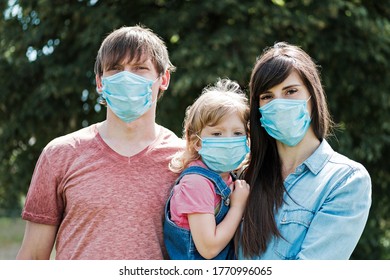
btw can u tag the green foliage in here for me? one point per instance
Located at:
(48, 48)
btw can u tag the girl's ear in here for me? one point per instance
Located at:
(248, 137)
(197, 144)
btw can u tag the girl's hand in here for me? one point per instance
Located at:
(209, 238)
(240, 193)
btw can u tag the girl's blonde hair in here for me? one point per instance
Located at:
(215, 102)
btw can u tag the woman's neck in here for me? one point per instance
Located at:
(292, 157)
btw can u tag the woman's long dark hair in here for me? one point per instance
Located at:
(264, 170)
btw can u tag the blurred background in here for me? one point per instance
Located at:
(47, 83)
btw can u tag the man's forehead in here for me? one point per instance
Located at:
(129, 59)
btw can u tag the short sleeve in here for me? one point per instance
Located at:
(42, 202)
(195, 194)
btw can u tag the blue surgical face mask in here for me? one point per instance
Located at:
(286, 120)
(128, 95)
(223, 154)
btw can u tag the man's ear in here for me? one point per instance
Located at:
(99, 84)
(165, 80)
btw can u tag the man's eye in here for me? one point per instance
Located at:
(114, 69)
(140, 68)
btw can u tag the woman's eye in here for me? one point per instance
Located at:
(265, 97)
(291, 91)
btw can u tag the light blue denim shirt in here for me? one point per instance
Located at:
(325, 210)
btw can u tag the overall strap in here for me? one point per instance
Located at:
(222, 189)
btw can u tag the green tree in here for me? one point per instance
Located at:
(48, 49)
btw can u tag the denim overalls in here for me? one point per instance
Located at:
(178, 240)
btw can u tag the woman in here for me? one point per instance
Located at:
(306, 201)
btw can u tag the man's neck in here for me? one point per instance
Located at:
(128, 139)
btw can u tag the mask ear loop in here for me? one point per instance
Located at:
(196, 146)
(158, 94)
(311, 117)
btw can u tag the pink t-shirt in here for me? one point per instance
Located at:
(194, 194)
(107, 206)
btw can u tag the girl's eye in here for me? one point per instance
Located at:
(238, 133)
(216, 134)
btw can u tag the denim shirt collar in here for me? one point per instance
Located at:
(319, 158)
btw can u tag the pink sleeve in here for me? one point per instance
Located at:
(43, 205)
(194, 194)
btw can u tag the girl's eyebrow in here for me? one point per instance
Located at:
(217, 127)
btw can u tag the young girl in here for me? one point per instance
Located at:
(206, 204)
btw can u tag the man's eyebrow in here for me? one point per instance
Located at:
(139, 63)
(135, 61)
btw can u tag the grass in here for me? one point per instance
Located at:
(11, 236)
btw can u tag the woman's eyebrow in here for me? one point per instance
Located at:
(290, 86)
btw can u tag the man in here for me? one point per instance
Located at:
(99, 193)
